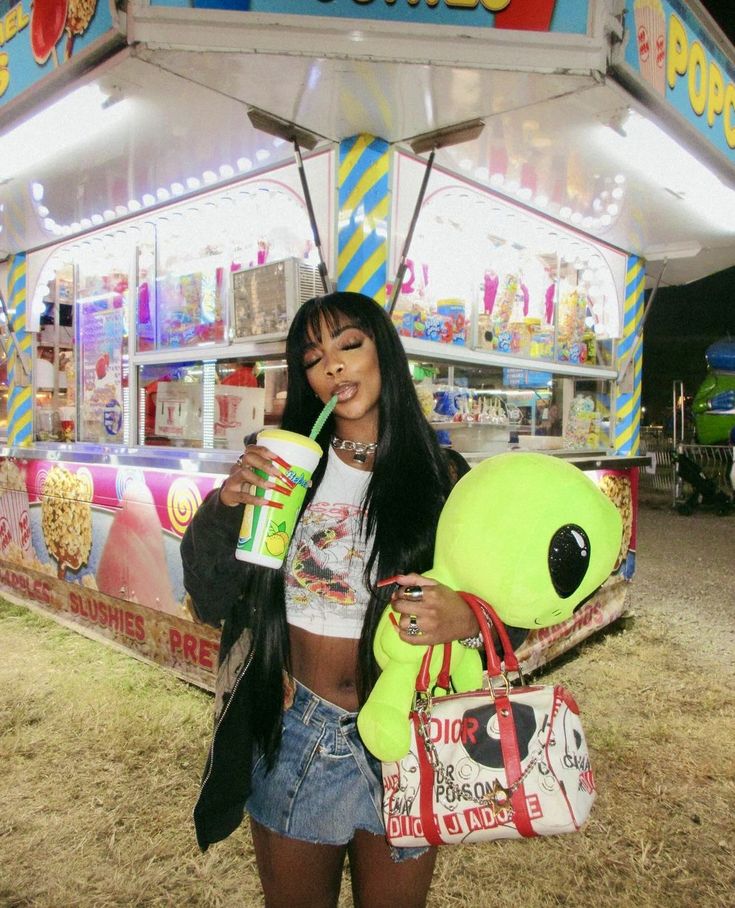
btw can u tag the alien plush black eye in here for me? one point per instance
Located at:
(569, 558)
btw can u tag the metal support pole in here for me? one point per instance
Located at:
(398, 282)
(326, 283)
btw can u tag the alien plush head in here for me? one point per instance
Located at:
(529, 533)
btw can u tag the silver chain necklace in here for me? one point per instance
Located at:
(361, 451)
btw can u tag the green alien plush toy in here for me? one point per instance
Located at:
(383, 720)
(529, 533)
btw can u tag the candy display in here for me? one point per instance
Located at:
(583, 425)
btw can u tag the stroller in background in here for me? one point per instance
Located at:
(704, 490)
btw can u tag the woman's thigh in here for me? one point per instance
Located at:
(296, 874)
(380, 882)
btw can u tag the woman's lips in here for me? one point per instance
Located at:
(345, 392)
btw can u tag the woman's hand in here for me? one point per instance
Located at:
(240, 486)
(439, 613)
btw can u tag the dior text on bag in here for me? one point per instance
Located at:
(506, 762)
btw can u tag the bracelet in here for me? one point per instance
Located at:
(472, 642)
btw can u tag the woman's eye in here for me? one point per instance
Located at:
(311, 361)
(352, 345)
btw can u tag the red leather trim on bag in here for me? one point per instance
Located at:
(486, 613)
(506, 723)
(512, 762)
(422, 679)
(443, 679)
(426, 789)
(567, 698)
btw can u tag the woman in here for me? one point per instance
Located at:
(296, 647)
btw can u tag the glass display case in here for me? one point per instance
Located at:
(102, 308)
(172, 319)
(169, 330)
(192, 257)
(488, 275)
(483, 410)
(54, 354)
(209, 404)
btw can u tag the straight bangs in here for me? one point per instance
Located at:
(335, 309)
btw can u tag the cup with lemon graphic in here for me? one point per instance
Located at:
(266, 532)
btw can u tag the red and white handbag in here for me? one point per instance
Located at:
(506, 762)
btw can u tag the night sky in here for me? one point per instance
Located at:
(723, 12)
(684, 321)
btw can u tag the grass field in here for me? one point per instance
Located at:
(101, 758)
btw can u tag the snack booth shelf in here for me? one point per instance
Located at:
(506, 182)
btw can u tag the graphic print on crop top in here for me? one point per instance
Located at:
(325, 592)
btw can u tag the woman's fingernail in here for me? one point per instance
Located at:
(282, 463)
(388, 581)
(283, 490)
(272, 504)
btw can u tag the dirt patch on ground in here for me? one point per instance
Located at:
(101, 758)
(686, 579)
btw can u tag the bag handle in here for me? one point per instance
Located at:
(486, 616)
(424, 676)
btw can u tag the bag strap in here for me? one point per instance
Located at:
(486, 615)
(423, 679)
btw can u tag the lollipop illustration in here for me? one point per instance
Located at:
(51, 18)
(48, 19)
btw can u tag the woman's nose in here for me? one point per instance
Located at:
(334, 366)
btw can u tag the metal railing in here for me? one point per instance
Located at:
(715, 461)
(659, 476)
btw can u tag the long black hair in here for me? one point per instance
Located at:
(407, 489)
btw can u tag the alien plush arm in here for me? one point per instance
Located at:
(383, 721)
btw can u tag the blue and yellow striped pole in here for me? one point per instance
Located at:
(20, 416)
(628, 403)
(364, 204)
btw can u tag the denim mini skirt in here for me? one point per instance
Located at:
(324, 784)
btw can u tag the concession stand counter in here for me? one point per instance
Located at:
(505, 177)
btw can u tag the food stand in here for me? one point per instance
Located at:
(147, 308)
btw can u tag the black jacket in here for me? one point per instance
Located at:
(215, 580)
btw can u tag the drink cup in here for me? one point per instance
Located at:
(266, 532)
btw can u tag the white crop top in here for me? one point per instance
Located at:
(325, 592)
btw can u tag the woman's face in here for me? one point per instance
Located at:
(344, 361)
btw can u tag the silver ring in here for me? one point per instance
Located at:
(239, 460)
(413, 629)
(414, 593)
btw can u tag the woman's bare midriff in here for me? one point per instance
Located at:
(326, 665)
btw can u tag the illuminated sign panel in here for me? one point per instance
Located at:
(37, 39)
(670, 51)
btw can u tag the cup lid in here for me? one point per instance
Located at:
(292, 437)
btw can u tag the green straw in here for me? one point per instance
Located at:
(323, 416)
